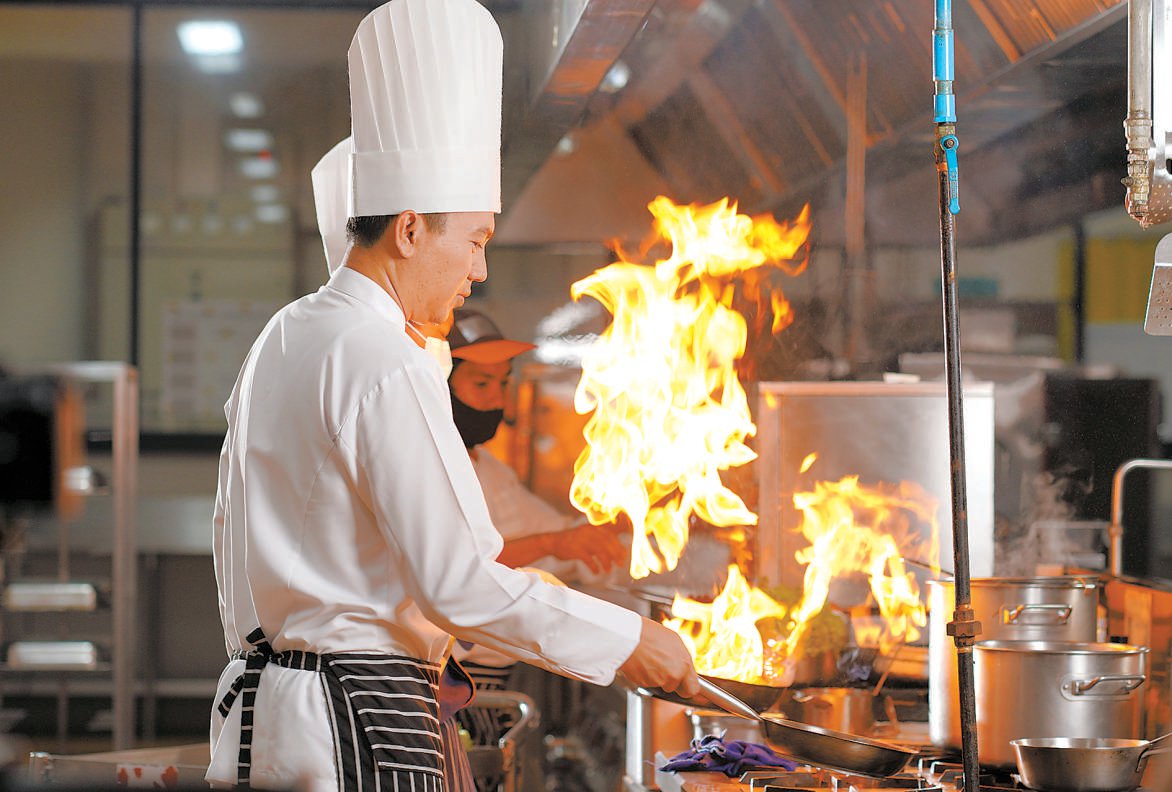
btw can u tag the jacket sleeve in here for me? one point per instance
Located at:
(415, 473)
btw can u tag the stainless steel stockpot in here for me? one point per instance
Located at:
(1040, 689)
(1009, 609)
(849, 710)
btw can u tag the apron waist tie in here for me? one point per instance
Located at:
(246, 685)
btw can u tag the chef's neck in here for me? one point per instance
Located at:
(385, 272)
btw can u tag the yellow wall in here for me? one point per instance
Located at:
(1119, 273)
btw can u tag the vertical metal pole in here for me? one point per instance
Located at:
(859, 281)
(125, 554)
(963, 628)
(1138, 124)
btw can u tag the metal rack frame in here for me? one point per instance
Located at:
(123, 491)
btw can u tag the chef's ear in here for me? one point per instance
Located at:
(404, 233)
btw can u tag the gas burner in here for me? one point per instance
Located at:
(902, 781)
(777, 781)
(812, 780)
(951, 773)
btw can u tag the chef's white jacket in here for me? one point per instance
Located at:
(348, 518)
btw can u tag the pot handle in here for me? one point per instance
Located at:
(1143, 757)
(1131, 682)
(1011, 615)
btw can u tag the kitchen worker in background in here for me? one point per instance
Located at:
(482, 361)
(351, 538)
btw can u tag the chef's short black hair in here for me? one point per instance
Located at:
(367, 230)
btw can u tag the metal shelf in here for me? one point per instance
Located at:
(50, 670)
(119, 489)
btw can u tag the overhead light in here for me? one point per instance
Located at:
(259, 167)
(266, 193)
(210, 37)
(272, 213)
(616, 78)
(248, 140)
(246, 105)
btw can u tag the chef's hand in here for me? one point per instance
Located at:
(597, 546)
(661, 660)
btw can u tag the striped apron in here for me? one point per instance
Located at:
(384, 715)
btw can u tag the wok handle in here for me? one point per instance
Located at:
(727, 701)
(1011, 615)
(1131, 682)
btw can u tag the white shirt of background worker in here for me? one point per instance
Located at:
(351, 539)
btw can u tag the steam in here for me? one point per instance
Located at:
(1041, 543)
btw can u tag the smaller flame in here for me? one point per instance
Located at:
(808, 462)
(856, 529)
(722, 635)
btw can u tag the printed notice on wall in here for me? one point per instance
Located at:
(203, 346)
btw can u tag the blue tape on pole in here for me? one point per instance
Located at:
(943, 13)
(943, 55)
(944, 64)
(945, 108)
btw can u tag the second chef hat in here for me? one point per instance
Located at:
(425, 109)
(331, 186)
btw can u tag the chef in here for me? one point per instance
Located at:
(351, 538)
(535, 534)
(478, 374)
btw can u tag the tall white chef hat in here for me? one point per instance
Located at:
(331, 187)
(425, 107)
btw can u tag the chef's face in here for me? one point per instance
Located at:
(481, 386)
(449, 262)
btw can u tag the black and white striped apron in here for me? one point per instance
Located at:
(384, 715)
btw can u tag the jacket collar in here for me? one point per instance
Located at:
(361, 288)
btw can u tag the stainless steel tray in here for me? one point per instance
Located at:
(53, 656)
(50, 596)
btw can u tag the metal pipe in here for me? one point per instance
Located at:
(1115, 530)
(1138, 124)
(964, 627)
(125, 551)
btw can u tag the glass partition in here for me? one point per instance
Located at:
(238, 105)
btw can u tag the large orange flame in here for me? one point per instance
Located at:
(668, 410)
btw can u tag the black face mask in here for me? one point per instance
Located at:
(476, 426)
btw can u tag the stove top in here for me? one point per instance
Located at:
(927, 774)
